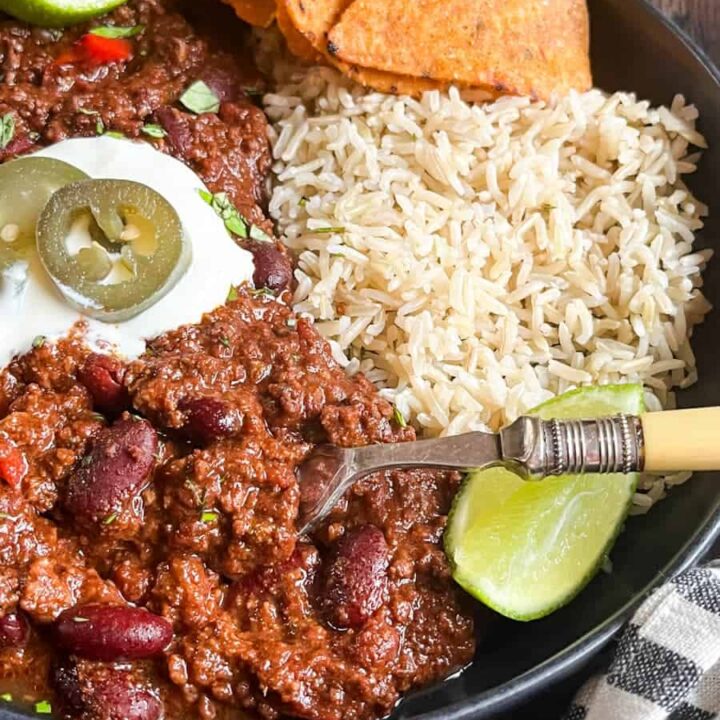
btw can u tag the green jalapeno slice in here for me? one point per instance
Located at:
(26, 185)
(112, 247)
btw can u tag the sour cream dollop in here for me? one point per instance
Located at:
(31, 306)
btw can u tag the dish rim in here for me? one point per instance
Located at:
(521, 688)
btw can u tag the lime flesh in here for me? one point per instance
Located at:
(57, 13)
(527, 548)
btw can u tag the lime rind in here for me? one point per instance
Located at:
(525, 549)
(58, 13)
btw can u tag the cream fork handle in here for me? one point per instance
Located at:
(682, 439)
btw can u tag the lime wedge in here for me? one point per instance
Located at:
(57, 13)
(527, 548)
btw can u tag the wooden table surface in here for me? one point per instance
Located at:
(701, 19)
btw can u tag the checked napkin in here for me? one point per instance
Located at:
(667, 661)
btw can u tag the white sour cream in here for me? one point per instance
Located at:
(31, 306)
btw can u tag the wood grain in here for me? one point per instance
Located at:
(700, 18)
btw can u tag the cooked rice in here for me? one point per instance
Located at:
(475, 261)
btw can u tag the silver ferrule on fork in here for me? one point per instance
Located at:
(538, 448)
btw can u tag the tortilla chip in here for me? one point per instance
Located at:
(315, 18)
(521, 47)
(259, 13)
(297, 43)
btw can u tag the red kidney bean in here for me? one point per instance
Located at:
(223, 83)
(117, 467)
(88, 691)
(103, 376)
(175, 123)
(209, 419)
(273, 269)
(14, 630)
(112, 632)
(355, 579)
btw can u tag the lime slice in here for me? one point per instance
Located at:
(527, 548)
(57, 13)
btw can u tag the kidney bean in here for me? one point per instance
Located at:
(209, 419)
(88, 691)
(273, 269)
(117, 467)
(103, 375)
(223, 83)
(175, 123)
(14, 630)
(112, 632)
(355, 579)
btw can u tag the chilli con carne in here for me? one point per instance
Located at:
(149, 560)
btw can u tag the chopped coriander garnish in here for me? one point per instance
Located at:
(7, 130)
(100, 127)
(88, 111)
(208, 516)
(225, 341)
(39, 341)
(232, 294)
(262, 292)
(257, 233)
(328, 230)
(113, 31)
(399, 417)
(6, 697)
(110, 519)
(115, 134)
(43, 707)
(303, 201)
(154, 131)
(200, 98)
(227, 212)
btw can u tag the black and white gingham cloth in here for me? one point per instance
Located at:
(667, 662)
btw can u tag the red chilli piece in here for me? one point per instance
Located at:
(13, 465)
(96, 50)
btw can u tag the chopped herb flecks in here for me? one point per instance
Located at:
(232, 294)
(227, 212)
(43, 707)
(99, 127)
(303, 201)
(6, 697)
(399, 417)
(154, 131)
(39, 341)
(200, 98)
(257, 233)
(225, 342)
(7, 130)
(209, 516)
(112, 31)
(262, 292)
(110, 519)
(328, 230)
(114, 134)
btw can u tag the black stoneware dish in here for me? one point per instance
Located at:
(633, 48)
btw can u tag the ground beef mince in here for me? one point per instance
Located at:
(150, 565)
